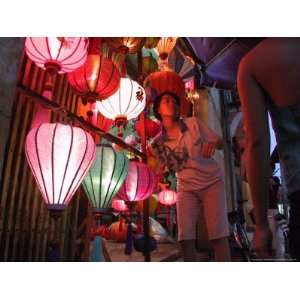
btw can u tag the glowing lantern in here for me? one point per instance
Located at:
(139, 183)
(119, 205)
(169, 81)
(151, 42)
(97, 79)
(62, 55)
(167, 197)
(105, 177)
(165, 46)
(152, 128)
(59, 157)
(126, 104)
(126, 44)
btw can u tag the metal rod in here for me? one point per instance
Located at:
(56, 108)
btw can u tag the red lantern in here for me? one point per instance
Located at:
(167, 197)
(152, 128)
(139, 183)
(127, 44)
(63, 54)
(119, 205)
(59, 157)
(169, 81)
(165, 46)
(97, 79)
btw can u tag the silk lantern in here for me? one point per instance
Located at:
(167, 197)
(126, 104)
(59, 157)
(61, 54)
(97, 79)
(105, 177)
(152, 128)
(165, 46)
(126, 44)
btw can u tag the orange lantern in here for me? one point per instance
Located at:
(127, 44)
(165, 46)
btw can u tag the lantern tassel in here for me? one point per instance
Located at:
(129, 241)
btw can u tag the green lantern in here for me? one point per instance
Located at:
(105, 177)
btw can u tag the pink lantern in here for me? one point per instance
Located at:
(167, 197)
(119, 205)
(61, 54)
(59, 157)
(139, 183)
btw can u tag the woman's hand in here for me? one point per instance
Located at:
(208, 149)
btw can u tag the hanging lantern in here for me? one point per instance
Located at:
(62, 55)
(126, 104)
(151, 42)
(152, 128)
(119, 205)
(169, 81)
(97, 79)
(149, 65)
(139, 183)
(105, 177)
(126, 44)
(59, 157)
(165, 46)
(167, 197)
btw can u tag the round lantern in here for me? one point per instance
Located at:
(97, 79)
(126, 104)
(152, 128)
(167, 197)
(151, 42)
(119, 205)
(169, 81)
(165, 46)
(59, 157)
(62, 55)
(105, 177)
(139, 183)
(126, 44)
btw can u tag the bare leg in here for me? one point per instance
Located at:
(257, 151)
(188, 250)
(221, 249)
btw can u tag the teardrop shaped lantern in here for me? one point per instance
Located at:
(139, 183)
(98, 78)
(165, 46)
(105, 177)
(59, 157)
(152, 128)
(126, 104)
(61, 54)
(167, 197)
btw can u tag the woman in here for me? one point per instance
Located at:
(268, 80)
(186, 146)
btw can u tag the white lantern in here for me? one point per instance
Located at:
(126, 104)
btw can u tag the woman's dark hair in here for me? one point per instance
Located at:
(157, 100)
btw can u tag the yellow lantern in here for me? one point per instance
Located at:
(165, 46)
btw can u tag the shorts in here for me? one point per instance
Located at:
(214, 208)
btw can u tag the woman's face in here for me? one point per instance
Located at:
(168, 107)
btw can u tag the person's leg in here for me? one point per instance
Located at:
(215, 211)
(257, 150)
(187, 214)
(221, 249)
